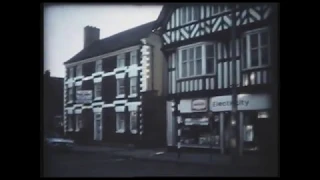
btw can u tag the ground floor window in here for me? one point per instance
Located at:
(120, 122)
(69, 123)
(201, 132)
(79, 122)
(252, 129)
(133, 122)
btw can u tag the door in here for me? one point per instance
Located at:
(97, 127)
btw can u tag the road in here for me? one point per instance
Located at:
(104, 165)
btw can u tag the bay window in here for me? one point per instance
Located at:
(198, 59)
(256, 45)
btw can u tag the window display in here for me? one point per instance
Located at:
(200, 132)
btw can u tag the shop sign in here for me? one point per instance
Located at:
(199, 105)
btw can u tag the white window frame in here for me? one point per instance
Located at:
(71, 72)
(133, 85)
(79, 70)
(133, 57)
(121, 60)
(79, 122)
(203, 59)
(247, 49)
(98, 66)
(70, 94)
(184, 13)
(118, 87)
(133, 117)
(96, 86)
(120, 129)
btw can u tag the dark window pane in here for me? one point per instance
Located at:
(254, 58)
(199, 67)
(189, 14)
(191, 68)
(209, 51)
(216, 9)
(254, 40)
(210, 65)
(264, 56)
(191, 54)
(184, 69)
(196, 13)
(184, 55)
(198, 52)
(244, 52)
(183, 15)
(264, 38)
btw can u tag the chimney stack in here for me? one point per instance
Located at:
(91, 34)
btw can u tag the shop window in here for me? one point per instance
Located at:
(250, 137)
(199, 132)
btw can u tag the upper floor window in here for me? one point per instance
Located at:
(71, 72)
(189, 14)
(99, 65)
(197, 60)
(78, 88)
(79, 70)
(70, 94)
(97, 90)
(120, 86)
(133, 57)
(219, 8)
(133, 85)
(120, 60)
(256, 49)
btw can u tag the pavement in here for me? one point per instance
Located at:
(162, 155)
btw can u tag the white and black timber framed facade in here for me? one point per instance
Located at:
(118, 70)
(197, 46)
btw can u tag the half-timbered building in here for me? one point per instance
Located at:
(197, 45)
(120, 71)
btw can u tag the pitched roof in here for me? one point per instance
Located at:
(115, 42)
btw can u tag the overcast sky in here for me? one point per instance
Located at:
(64, 24)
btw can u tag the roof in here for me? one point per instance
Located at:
(115, 42)
(164, 14)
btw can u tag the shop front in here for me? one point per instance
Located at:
(253, 111)
(197, 128)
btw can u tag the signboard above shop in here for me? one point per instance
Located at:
(244, 101)
(84, 96)
(193, 105)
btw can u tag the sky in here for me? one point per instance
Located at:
(64, 27)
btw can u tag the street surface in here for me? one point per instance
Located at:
(105, 165)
